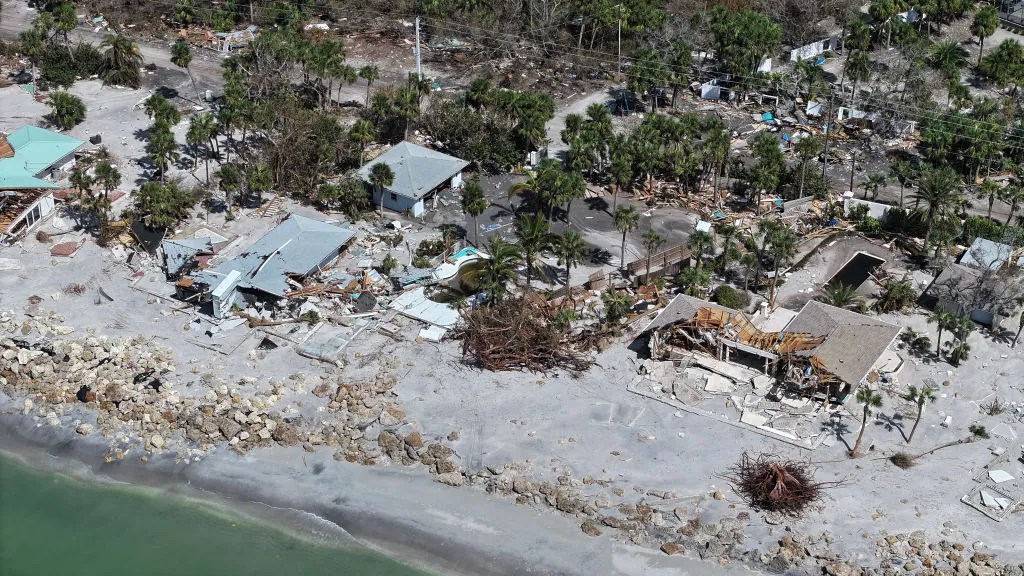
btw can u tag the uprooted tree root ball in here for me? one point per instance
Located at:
(777, 485)
(517, 334)
(903, 459)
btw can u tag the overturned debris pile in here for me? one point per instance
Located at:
(517, 334)
(776, 485)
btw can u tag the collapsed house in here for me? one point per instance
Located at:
(267, 271)
(823, 353)
(31, 159)
(982, 286)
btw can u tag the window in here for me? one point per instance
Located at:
(32, 216)
(394, 197)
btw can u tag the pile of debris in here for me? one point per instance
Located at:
(518, 334)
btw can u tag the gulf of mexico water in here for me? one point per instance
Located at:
(51, 524)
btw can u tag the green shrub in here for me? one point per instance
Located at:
(421, 262)
(730, 297)
(869, 225)
(59, 67)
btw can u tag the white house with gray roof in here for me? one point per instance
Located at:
(419, 173)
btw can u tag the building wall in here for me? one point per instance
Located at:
(398, 203)
(20, 225)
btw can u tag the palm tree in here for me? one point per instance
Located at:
(202, 128)
(701, 243)
(259, 180)
(362, 132)
(943, 319)
(919, 396)
(181, 56)
(841, 296)
(896, 295)
(121, 61)
(107, 176)
(1020, 323)
(627, 219)
(727, 232)
(807, 149)
(499, 269)
(474, 204)
(989, 189)
(985, 24)
(381, 176)
(571, 251)
(534, 235)
(781, 247)
(67, 110)
(937, 188)
(750, 263)
(81, 180)
(693, 280)
(620, 170)
(959, 349)
(1012, 194)
(230, 180)
(651, 241)
(872, 184)
(870, 399)
(858, 68)
(571, 186)
(369, 73)
(64, 21)
(162, 147)
(903, 172)
(948, 57)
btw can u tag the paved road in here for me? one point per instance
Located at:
(18, 17)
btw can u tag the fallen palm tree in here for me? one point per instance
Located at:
(518, 334)
(777, 485)
(906, 460)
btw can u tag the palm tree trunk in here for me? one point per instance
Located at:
(476, 231)
(803, 172)
(860, 435)
(622, 257)
(901, 193)
(1013, 208)
(981, 48)
(1017, 336)
(938, 341)
(367, 103)
(920, 414)
(529, 267)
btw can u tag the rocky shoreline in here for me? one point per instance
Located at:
(126, 397)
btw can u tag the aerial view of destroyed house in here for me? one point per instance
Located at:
(461, 287)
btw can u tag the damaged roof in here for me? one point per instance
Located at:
(988, 254)
(298, 246)
(180, 252)
(681, 309)
(35, 149)
(418, 170)
(852, 342)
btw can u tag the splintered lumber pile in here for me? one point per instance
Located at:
(777, 485)
(517, 334)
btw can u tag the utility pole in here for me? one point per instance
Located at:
(619, 34)
(828, 133)
(853, 165)
(419, 62)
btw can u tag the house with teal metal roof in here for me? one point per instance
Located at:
(31, 160)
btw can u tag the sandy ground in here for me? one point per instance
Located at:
(589, 426)
(392, 510)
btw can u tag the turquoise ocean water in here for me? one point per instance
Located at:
(51, 524)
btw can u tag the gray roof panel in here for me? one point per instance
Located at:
(418, 170)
